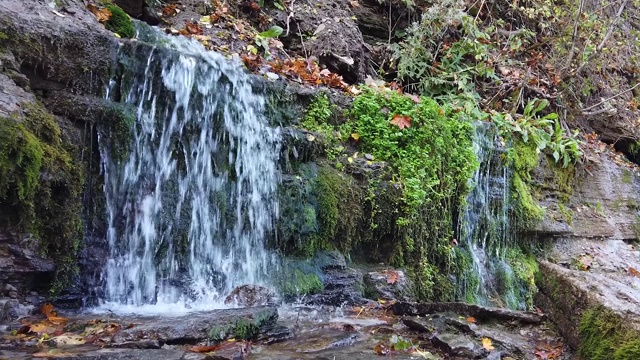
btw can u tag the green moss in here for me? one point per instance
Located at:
(524, 159)
(119, 122)
(339, 210)
(626, 177)
(246, 329)
(605, 335)
(524, 268)
(41, 187)
(297, 283)
(119, 22)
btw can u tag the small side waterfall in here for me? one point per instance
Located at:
(191, 202)
(484, 227)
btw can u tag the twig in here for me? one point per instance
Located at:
(602, 44)
(574, 36)
(289, 16)
(612, 97)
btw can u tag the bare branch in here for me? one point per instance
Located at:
(602, 44)
(585, 110)
(574, 36)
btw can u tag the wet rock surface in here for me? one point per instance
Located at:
(250, 295)
(243, 323)
(300, 332)
(388, 285)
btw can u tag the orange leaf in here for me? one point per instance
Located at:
(170, 10)
(57, 320)
(193, 28)
(102, 15)
(381, 349)
(634, 272)
(401, 121)
(47, 310)
(471, 319)
(204, 349)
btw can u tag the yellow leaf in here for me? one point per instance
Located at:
(39, 328)
(310, 137)
(486, 343)
(350, 160)
(355, 136)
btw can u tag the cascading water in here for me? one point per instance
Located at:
(484, 225)
(190, 204)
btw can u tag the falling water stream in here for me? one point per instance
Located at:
(192, 200)
(485, 227)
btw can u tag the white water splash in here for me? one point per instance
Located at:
(190, 206)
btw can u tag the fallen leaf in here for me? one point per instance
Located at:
(355, 136)
(204, 349)
(471, 320)
(193, 28)
(41, 328)
(415, 98)
(68, 340)
(486, 343)
(310, 137)
(47, 310)
(381, 349)
(170, 10)
(401, 121)
(102, 15)
(634, 272)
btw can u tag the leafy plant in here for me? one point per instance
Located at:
(262, 39)
(545, 131)
(443, 53)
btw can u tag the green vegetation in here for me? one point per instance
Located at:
(339, 210)
(605, 335)
(293, 284)
(245, 329)
(435, 70)
(524, 270)
(119, 22)
(41, 187)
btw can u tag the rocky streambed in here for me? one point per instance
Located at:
(397, 329)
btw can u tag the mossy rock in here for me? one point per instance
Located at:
(244, 328)
(606, 335)
(41, 186)
(296, 283)
(119, 22)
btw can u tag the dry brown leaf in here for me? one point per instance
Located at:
(634, 272)
(102, 15)
(204, 349)
(401, 121)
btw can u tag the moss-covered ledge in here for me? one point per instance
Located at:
(599, 329)
(41, 186)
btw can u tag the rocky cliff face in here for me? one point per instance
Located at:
(57, 63)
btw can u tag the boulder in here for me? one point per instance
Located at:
(131, 7)
(388, 285)
(249, 296)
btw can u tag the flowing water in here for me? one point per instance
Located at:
(193, 198)
(484, 229)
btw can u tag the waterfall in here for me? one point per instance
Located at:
(191, 202)
(484, 226)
